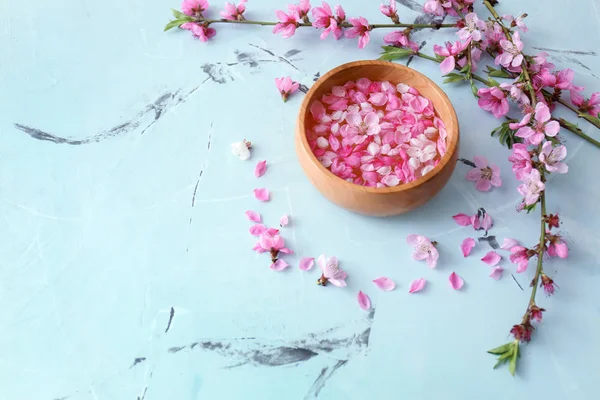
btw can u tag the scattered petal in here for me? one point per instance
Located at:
(384, 283)
(491, 258)
(497, 273)
(260, 169)
(241, 149)
(279, 265)
(306, 263)
(509, 244)
(417, 285)
(262, 194)
(253, 216)
(257, 230)
(467, 245)
(462, 219)
(284, 221)
(456, 281)
(363, 301)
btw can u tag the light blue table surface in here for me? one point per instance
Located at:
(139, 208)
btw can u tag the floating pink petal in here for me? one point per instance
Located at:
(417, 285)
(467, 245)
(257, 230)
(262, 194)
(284, 221)
(462, 219)
(384, 283)
(491, 258)
(363, 301)
(253, 216)
(456, 281)
(260, 169)
(509, 244)
(497, 273)
(279, 265)
(306, 263)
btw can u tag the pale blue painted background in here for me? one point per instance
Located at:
(96, 243)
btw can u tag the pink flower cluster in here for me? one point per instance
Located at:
(376, 134)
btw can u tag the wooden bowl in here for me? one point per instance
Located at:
(378, 201)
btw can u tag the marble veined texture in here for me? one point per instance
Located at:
(126, 269)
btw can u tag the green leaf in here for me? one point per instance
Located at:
(592, 119)
(178, 14)
(503, 359)
(512, 367)
(453, 77)
(502, 349)
(173, 24)
(493, 82)
(529, 208)
(474, 89)
(498, 73)
(393, 53)
(465, 69)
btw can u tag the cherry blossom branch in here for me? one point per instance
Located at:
(309, 24)
(540, 252)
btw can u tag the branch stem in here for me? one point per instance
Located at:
(308, 24)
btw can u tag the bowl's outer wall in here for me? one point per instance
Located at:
(383, 201)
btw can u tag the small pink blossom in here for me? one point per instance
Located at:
(279, 265)
(548, 284)
(361, 28)
(456, 282)
(260, 169)
(450, 51)
(262, 194)
(303, 8)
(233, 12)
(516, 22)
(511, 52)
(482, 220)
(417, 285)
(253, 216)
(542, 126)
(552, 158)
(271, 242)
(324, 19)
(492, 258)
(557, 246)
(532, 187)
(493, 100)
(194, 8)
(483, 175)
(401, 39)
(286, 87)
(284, 220)
(424, 249)
(364, 301)
(306, 263)
(436, 7)
(287, 22)
(384, 283)
(508, 244)
(520, 256)
(497, 273)
(201, 31)
(389, 10)
(467, 246)
(591, 106)
(564, 79)
(331, 272)
(367, 125)
(517, 94)
(472, 29)
(521, 160)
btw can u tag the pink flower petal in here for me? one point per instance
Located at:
(257, 230)
(284, 221)
(253, 216)
(363, 301)
(456, 281)
(260, 168)
(384, 283)
(509, 244)
(462, 219)
(417, 285)
(262, 194)
(306, 263)
(467, 245)
(491, 258)
(279, 265)
(497, 273)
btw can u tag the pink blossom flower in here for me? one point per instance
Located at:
(364, 301)
(271, 242)
(497, 273)
(456, 282)
(532, 187)
(494, 100)
(535, 313)
(516, 93)
(542, 126)
(520, 256)
(284, 221)
(324, 19)
(421, 150)
(552, 158)
(201, 31)
(492, 258)
(331, 272)
(401, 39)
(303, 8)
(384, 283)
(511, 54)
(521, 160)
(286, 86)
(557, 246)
(516, 22)
(450, 51)
(591, 106)
(233, 12)
(194, 8)
(361, 28)
(481, 220)
(369, 125)
(417, 285)
(522, 332)
(564, 79)
(483, 175)
(472, 29)
(389, 10)
(548, 284)
(287, 22)
(436, 7)
(424, 249)
(306, 263)
(467, 246)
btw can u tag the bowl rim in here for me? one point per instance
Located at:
(452, 142)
